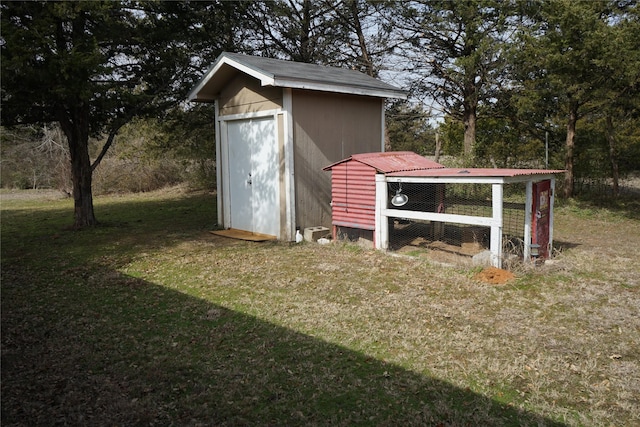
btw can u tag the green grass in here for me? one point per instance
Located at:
(150, 319)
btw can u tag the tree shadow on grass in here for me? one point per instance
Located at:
(103, 348)
(83, 344)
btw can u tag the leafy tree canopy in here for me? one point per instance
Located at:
(94, 66)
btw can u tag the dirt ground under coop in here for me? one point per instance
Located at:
(447, 243)
(462, 240)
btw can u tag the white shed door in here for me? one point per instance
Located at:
(253, 175)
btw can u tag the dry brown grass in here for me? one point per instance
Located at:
(560, 342)
(565, 338)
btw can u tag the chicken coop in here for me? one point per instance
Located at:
(399, 200)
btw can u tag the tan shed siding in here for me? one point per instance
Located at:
(245, 95)
(353, 195)
(328, 128)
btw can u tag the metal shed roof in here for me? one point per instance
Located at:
(289, 74)
(400, 162)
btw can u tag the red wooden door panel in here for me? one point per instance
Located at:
(541, 217)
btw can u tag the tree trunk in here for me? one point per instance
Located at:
(76, 129)
(469, 115)
(82, 193)
(357, 26)
(570, 146)
(613, 155)
(469, 121)
(306, 51)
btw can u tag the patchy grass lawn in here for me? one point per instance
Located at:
(151, 320)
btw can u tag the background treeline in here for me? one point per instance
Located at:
(148, 154)
(492, 83)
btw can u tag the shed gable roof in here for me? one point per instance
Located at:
(289, 74)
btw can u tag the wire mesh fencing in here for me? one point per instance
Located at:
(473, 200)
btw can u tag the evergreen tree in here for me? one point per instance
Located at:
(94, 66)
(560, 62)
(455, 51)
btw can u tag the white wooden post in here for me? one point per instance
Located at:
(496, 227)
(223, 185)
(219, 204)
(289, 155)
(381, 233)
(528, 209)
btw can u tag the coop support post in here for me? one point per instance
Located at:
(381, 233)
(496, 227)
(528, 209)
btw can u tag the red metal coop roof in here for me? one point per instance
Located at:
(477, 172)
(392, 162)
(410, 164)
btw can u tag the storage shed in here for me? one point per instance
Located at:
(375, 194)
(277, 124)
